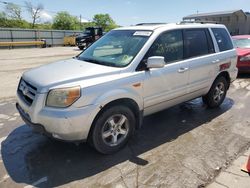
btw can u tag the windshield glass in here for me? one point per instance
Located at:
(117, 48)
(241, 43)
(87, 31)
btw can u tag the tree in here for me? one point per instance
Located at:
(2, 15)
(64, 21)
(12, 23)
(13, 11)
(34, 11)
(104, 21)
(3, 19)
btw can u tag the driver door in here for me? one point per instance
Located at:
(164, 86)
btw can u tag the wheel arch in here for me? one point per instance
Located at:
(226, 75)
(128, 102)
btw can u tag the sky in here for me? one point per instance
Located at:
(130, 12)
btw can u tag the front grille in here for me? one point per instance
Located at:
(27, 92)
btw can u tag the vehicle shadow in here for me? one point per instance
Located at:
(28, 157)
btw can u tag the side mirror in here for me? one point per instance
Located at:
(155, 62)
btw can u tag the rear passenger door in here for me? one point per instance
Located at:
(199, 51)
(226, 54)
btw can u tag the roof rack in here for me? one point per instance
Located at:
(149, 24)
(198, 21)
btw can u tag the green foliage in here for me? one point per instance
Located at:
(3, 15)
(44, 26)
(12, 23)
(64, 21)
(3, 19)
(104, 21)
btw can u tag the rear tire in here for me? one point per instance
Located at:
(112, 129)
(217, 93)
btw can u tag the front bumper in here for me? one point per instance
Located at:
(36, 127)
(243, 66)
(81, 44)
(69, 124)
(244, 69)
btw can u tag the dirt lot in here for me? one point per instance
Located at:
(184, 146)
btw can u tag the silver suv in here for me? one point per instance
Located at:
(102, 95)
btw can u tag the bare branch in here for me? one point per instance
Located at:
(13, 11)
(34, 11)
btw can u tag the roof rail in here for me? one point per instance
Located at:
(149, 24)
(198, 21)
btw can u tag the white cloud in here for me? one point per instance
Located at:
(84, 20)
(45, 16)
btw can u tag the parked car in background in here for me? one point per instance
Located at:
(102, 95)
(242, 44)
(90, 35)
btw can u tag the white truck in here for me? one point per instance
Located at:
(102, 95)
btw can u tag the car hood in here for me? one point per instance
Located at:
(243, 51)
(65, 73)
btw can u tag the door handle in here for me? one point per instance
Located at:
(182, 69)
(216, 61)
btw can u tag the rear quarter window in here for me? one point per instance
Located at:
(223, 39)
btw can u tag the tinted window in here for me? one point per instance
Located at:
(169, 45)
(196, 43)
(223, 39)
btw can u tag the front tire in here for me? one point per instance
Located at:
(217, 93)
(112, 129)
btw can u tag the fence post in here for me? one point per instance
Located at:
(52, 42)
(35, 35)
(11, 36)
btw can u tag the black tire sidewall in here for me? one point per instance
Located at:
(209, 98)
(97, 140)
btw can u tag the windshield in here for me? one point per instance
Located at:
(87, 31)
(241, 43)
(117, 48)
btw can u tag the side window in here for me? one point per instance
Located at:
(196, 43)
(223, 39)
(169, 45)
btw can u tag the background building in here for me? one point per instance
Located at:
(237, 21)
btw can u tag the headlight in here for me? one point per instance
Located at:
(63, 97)
(245, 58)
(82, 40)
